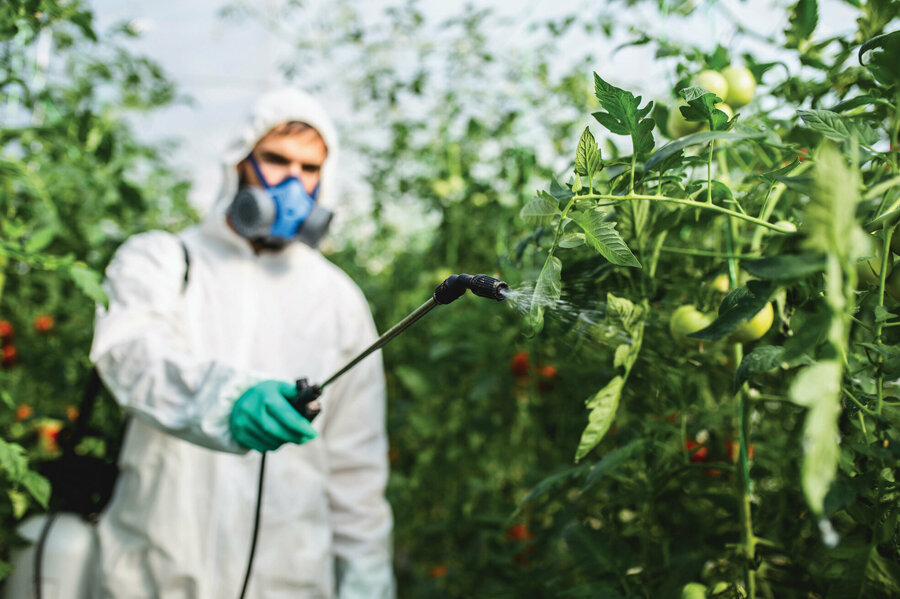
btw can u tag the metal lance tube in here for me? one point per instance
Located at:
(453, 287)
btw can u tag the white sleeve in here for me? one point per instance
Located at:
(140, 351)
(356, 440)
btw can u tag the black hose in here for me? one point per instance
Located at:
(39, 553)
(256, 518)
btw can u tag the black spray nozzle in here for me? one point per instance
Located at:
(455, 286)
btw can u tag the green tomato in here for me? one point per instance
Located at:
(868, 272)
(726, 109)
(756, 327)
(892, 285)
(693, 590)
(686, 320)
(678, 126)
(713, 82)
(786, 224)
(741, 85)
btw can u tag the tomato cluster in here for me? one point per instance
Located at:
(735, 85)
(520, 367)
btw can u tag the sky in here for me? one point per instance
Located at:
(223, 64)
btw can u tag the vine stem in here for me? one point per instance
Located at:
(748, 539)
(879, 325)
(684, 202)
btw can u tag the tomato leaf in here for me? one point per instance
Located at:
(702, 107)
(613, 460)
(552, 483)
(541, 210)
(883, 61)
(38, 486)
(88, 280)
(604, 238)
(760, 360)
(739, 305)
(624, 115)
(19, 502)
(587, 158)
(603, 405)
(785, 266)
(838, 128)
(12, 460)
(804, 18)
(818, 388)
(699, 138)
(546, 292)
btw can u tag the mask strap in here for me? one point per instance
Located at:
(258, 172)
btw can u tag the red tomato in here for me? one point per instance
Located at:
(546, 375)
(23, 411)
(43, 323)
(7, 331)
(519, 364)
(438, 571)
(48, 433)
(10, 355)
(519, 532)
(698, 452)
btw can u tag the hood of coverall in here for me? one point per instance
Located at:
(271, 109)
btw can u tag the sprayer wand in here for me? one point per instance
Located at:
(453, 287)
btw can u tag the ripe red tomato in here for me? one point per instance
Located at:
(519, 532)
(10, 355)
(23, 411)
(48, 433)
(520, 363)
(7, 331)
(546, 376)
(699, 453)
(437, 571)
(43, 323)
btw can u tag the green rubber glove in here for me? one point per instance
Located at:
(264, 420)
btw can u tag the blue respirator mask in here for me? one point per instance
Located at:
(279, 214)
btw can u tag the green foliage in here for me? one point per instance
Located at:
(75, 183)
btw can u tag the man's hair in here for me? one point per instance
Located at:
(290, 128)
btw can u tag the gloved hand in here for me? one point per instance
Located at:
(263, 419)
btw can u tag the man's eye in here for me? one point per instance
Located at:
(311, 168)
(275, 159)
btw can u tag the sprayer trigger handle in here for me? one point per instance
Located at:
(307, 402)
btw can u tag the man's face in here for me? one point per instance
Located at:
(280, 156)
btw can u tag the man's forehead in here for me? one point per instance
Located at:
(284, 139)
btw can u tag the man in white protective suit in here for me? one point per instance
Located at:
(205, 333)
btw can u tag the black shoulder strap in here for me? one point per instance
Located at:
(187, 266)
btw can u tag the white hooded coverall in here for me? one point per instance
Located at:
(180, 521)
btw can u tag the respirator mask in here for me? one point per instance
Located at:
(279, 214)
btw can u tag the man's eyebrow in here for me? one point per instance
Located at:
(270, 156)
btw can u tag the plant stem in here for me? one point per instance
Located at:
(633, 164)
(707, 253)
(683, 202)
(748, 540)
(712, 145)
(879, 325)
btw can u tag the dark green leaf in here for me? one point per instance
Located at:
(561, 193)
(612, 460)
(770, 176)
(804, 18)
(604, 238)
(883, 61)
(553, 482)
(785, 266)
(624, 116)
(761, 359)
(702, 107)
(739, 305)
